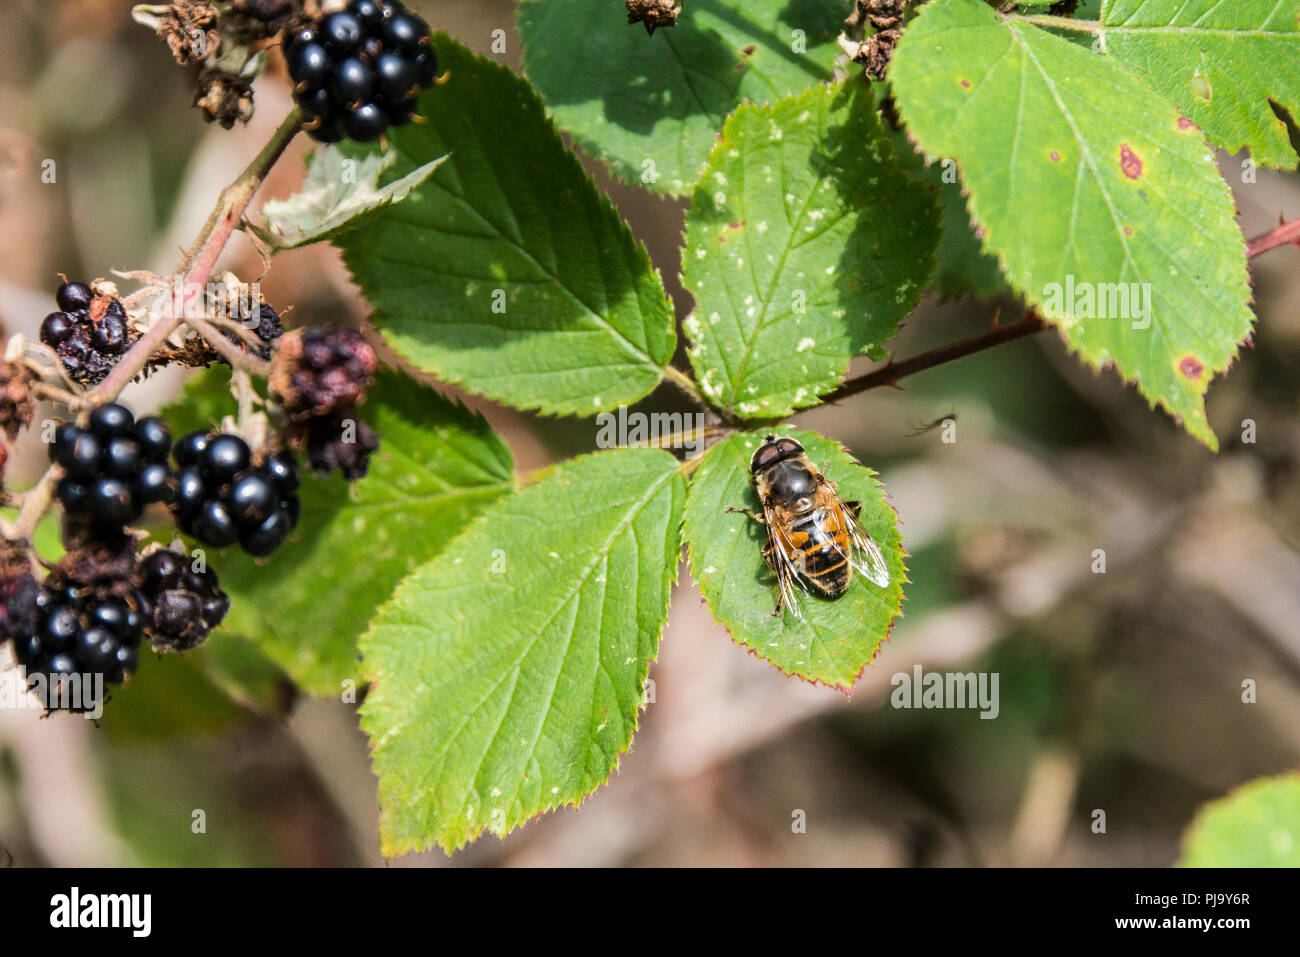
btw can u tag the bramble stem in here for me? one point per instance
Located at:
(198, 266)
(188, 280)
(1283, 234)
(892, 371)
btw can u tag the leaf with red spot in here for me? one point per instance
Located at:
(1106, 211)
(1220, 63)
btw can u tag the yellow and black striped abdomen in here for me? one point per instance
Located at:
(819, 547)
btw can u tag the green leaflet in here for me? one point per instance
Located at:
(806, 244)
(508, 672)
(1220, 63)
(1099, 200)
(1257, 825)
(650, 106)
(837, 637)
(437, 467)
(507, 271)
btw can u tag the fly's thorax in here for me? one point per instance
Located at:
(790, 484)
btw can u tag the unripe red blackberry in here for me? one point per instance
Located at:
(317, 372)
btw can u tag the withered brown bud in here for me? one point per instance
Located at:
(224, 98)
(189, 28)
(653, 13)
(17, 405)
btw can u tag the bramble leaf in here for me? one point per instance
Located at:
(1103, 205)
(1220, 63)
(1257, 825)
(437, 467)
(650, 106)
(806, 244)
(836, 638)
(508, 673)
(507, 271)
(336, 196)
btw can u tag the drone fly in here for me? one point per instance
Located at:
(813, 535)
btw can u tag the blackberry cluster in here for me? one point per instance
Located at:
(113, 468)
(222, 498)
(78, 632)
(360, 70)
(89, 333)
(182, 605)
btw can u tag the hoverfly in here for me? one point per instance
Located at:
(813, 535)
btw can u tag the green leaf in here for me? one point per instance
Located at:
(806, 244)
(651, 106)
(1103, 205)
(1257, 825)
(836, 638)
(508, 672)
(437, 467)
(1220, 63)
(507, 271)
(964, 266)
(341, 192)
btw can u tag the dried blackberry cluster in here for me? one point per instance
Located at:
(360, 70)
(89, 333)
(17, 405)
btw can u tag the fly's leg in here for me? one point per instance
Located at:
(744, 511)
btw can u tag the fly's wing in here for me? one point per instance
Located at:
(787, 572)
(864, 554)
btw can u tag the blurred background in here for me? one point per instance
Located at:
(1120, 692)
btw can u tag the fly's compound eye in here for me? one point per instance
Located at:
(789, 447)
(766, 455)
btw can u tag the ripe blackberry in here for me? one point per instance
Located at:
(360, 70)
(221, 498)
(318, 372)
(84, 626)
(89, 333)
(182, 605)
(113, 468)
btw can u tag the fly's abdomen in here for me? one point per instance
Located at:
(819, 549)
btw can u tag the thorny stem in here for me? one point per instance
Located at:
(238, 358)
(892, 371)
(192, 274)
(1282, 235)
